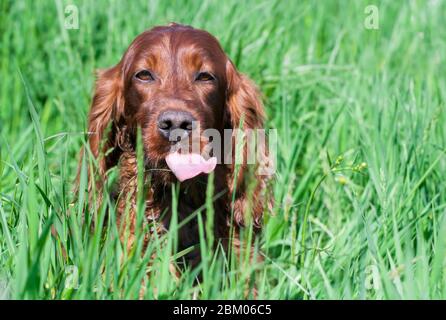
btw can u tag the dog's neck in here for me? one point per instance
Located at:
(190, 197)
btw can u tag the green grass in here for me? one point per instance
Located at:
(361, 175)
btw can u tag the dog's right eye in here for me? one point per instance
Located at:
(144, 75)
(204, 76)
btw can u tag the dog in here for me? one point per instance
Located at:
(177, 79)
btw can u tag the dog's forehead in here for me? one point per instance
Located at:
(162, 45)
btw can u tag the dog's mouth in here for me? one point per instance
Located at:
(190, 157)
(189, 165)
(185, 158)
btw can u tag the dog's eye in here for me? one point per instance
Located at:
(144, 75)
(204, 76)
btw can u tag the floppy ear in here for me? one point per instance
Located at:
(244, 111)
(106, 110)
(243, 100)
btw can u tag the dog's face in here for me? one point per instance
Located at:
(175, 82)
(175, 79)
(172, 82)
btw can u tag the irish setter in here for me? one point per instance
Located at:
(177, 78)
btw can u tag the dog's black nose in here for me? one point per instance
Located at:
(180, 121)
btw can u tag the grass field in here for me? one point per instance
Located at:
(360, 187)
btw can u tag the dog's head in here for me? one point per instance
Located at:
(171, 82)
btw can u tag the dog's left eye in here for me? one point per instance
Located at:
(144, 75)
(204, 76)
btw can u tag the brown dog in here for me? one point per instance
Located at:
(177, 78)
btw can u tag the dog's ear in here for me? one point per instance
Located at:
(106, 111)
(243, 100)
(245, 111)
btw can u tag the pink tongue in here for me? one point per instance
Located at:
(186, 166)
